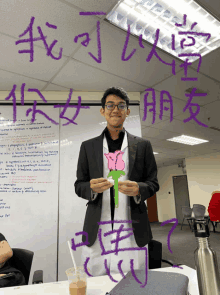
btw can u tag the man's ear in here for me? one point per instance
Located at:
(102, 111)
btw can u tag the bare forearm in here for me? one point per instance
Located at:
(5, 252)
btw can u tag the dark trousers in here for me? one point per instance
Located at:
(17, 280)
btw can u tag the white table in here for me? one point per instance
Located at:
(96, 286)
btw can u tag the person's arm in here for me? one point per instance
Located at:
(150, 186)
(5, 251)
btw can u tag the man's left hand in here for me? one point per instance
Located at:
(128, 187)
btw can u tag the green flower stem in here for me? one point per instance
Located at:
(115, 175)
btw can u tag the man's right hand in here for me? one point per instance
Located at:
(99, 185)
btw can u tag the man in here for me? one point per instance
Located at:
(5, 268)
(139, 183)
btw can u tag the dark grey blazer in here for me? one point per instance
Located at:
(142, 169)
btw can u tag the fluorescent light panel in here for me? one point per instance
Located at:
(187, 140)
(146, 16)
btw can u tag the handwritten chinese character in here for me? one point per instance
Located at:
(12, 94)
(153, 104)
(43, 38)
(35, 111)
(125, 47)
(154, 53)
(189, 106)
(67, 105)
(169, 235)
(183, 44)
(87, 40)
(117, 249)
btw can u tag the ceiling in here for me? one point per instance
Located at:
(78, 70)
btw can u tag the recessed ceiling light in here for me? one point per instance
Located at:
(187, 140)
(146, 16)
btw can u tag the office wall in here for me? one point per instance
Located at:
(203, 174)
(203, 177)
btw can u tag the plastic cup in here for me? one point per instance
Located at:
(77, 281)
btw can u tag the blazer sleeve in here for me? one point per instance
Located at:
(150, 184)
(82, 183)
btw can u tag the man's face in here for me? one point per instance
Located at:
(115, 118)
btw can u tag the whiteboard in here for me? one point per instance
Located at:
(29, 168)
(72, 209)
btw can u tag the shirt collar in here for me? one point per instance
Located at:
(124, 140)
(121, 134)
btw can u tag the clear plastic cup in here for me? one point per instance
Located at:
(77, 281)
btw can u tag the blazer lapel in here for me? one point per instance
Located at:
(132, 149)
(98, 151)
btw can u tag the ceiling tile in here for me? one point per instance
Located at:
(212, 112)
(204, 147)
(169, 144)
(174, 126)
(9, 79)
(43, 67)
(94, 5)
(157, 133)
(177, 88)
(81, 77)
(16, 16)
(188, 129)
(203, 116)
(210, 64)
(53, 87)
(148, 122)
(199, 149)
(152, 140)
(67, 19)
(167, 151)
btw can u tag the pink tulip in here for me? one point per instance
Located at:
(115, 161)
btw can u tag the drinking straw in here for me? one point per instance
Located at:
(71, 253)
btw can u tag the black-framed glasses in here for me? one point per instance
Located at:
(111, 106)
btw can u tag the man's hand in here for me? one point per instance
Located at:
(128, 187)
(99, 185)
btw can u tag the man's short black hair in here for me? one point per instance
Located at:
(120, 92)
